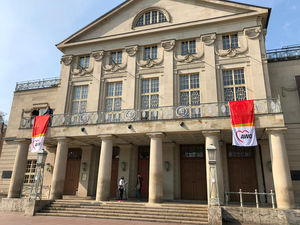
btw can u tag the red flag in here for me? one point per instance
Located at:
(242, 117)
(39, 131)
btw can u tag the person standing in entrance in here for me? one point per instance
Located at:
(121, 187)
(139, 187)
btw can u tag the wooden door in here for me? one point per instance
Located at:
(242, 172)
(193, 172)
(72, 172)
(143, 168)
(114, 173)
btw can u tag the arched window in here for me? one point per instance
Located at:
(151, 16)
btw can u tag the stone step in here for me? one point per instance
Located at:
(152, 212)
(125, 218)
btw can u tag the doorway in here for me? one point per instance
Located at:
(114, 172)
(143, 168)
(242, 172)
(193, 172)
(72, 172)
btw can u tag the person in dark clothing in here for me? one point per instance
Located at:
(139, 187)
(35, 112)
(49, 111)
(121, 187)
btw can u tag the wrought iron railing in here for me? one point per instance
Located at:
(37, 84)
(283, 54)
(206, 110)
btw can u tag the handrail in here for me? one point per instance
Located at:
(283, 54)
(37, 84)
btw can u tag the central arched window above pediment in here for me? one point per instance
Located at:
(151, 16)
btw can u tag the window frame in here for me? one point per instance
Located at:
(231, 44)
(150, 52)
(86, 63)
(119, 57)
(80, 100)
(113, 115)
(156, 16)
(31, 165)
(191, 47)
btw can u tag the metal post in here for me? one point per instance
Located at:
(256, 199)
(241, 197)
(272, 199)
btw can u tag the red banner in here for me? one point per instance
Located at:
(242, 117)
(39, 131)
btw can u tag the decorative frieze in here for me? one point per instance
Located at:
(66, 59)
(188, 58)
(98, 55)
(168, 45)
(132, 50)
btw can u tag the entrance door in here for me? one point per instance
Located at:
(114, 173)
(143, 168)
(72, 172)
(193, 172)
(242, 172)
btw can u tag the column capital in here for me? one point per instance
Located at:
(211, 133)
(63, 139)
(23, 141)
(107, 137)
(156, 135)
(276, 130)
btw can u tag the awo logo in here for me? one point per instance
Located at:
(243, 135)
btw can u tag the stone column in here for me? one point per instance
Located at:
(19, 169)
(104, 173)
(156, 168)
(280, 167)
(212, 137)
(59, 171)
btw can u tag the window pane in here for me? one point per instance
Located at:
(140, 22)
(84, 90)
(113, 58)
(227, 77)
(195, 98)
(147, 18)
(228, 94)
(118, 104)
(77, 93)
(194, 81)
(184, 98)
(110, 90)
(154, 16)
(75, 107)
(108, 105)
(82, 107)
(119, 59)
(154, 85)
(81, 62)
(154, 52)
(118, 89)
(234, 41)
(192, 47)
(154, 101)
(145, 86)
(184, 82)
(162, 18)
(226, 44)
(239, 76)
(145, 102)
(240, 93)
(147, 53)
(184, 48)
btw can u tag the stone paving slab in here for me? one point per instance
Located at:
(20, 219)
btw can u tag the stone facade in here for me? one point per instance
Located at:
(129, 81)
(2, 134)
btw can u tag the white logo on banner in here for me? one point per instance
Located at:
(37, 144)
(244, 136)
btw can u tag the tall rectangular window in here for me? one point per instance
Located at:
(113, 101)
(150, 53)
(79, 101)
(30, 171)
(116, 58)
(84, 62)
(230, 41)
(234, 85)
(150, 93)
(188, 47)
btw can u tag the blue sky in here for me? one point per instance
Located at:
(30, 29)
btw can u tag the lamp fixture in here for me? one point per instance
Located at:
(181, 124)
(129, 126)
(123, 166)
(84, 166)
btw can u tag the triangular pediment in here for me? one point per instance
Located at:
(121, 20)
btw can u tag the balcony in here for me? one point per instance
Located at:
(37, 84)
(284, 54)
(202, 111)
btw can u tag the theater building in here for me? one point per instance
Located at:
(145, 89)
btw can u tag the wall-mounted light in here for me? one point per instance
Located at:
(82, 129)
(48, 167)
(129, 126)
(123, 166)
(181, 124)
(167, 165)
(84, 166)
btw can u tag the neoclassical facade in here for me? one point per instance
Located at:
(145, 89)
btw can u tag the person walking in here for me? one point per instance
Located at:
(139, 185)
(121, 187)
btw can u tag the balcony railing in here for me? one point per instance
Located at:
(206, 110)
(37, 84)
(284, 54)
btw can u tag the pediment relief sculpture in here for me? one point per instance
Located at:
(232, 52)
(190, 57)
(113, 66)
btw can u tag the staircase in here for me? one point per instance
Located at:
(167, 213)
